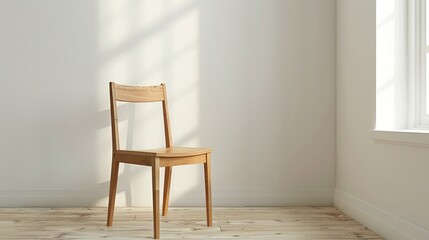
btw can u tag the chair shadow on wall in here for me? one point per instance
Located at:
(128, 173)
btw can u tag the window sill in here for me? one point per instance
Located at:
(415, 138)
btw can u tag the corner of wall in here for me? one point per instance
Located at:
(379, 220)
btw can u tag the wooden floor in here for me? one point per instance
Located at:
(136, 223)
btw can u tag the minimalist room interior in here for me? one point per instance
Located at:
(214, 119)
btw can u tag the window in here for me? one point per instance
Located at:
(419, 63)
(402, 58)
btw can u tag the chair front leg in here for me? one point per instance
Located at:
(207, 176)
(112, 192)
(155, 196)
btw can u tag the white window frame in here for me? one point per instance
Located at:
(417, 65)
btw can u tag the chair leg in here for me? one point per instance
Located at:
(155, 196)
(167, 184)
(112, 192)
(208, 190)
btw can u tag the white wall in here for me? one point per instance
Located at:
(384, 186)
(255, 80)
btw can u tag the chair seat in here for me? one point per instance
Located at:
(178, 152)
(174, 152)
(168, 156)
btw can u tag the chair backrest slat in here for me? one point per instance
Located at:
(139, 94)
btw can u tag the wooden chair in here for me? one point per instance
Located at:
(165, 157)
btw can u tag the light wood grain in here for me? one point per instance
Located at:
(155, 196)
(134, 158)
(112, 192)
(168, 144)
(208, 188)
(173, 152)
(165, 157)
(166, 115)
(166, 195)
(114, 117)
(298, 223)
(165, 162)
(139, 94)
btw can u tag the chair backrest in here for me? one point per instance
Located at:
(137, 94)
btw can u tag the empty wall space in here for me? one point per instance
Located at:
(254, 80)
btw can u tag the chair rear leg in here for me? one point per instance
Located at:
(207, 176)
(112, 192)
(167, 184)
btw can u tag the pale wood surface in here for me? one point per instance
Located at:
(168, 144)
(208, 190)
(165, 157)
(155, 197)
(114, 117)
(168, 156)
(167, 130)
(183, 160)
(112, 191)
(139, 94)
(178, 151)
(166, 194)
(181, 223)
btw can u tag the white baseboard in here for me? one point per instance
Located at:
(379, 220)
(274, 197)
(221, 197)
